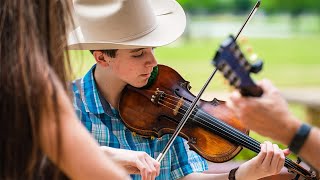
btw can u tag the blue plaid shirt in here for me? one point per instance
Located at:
(106, 126)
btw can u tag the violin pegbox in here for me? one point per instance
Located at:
(236, 69)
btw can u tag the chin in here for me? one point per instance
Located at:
(139, 85)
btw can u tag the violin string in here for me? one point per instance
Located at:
(208, 116)
(253, 146)
(205, 115)
(174, 97)
(289, 163)
(243, 138)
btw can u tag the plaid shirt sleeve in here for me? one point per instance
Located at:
(185, 161)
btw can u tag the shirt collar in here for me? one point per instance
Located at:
(94, 102)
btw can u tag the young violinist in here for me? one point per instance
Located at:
(123, 48)
(261, 114)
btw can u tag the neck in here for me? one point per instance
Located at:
(109, 85)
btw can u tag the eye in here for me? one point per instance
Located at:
(139, 55)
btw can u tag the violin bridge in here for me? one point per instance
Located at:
(178, 106)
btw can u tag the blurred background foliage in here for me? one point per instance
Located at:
(284, 33)
(293, 7)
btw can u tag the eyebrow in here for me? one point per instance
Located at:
(136, 50)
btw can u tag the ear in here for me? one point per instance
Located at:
(101, 58)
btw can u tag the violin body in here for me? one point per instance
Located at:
(157, 110)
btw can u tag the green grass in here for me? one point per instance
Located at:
(293, 62)
(287, 62)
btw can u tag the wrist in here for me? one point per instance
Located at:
(107, 150)
(290, 131)
(111, 152)
(244, 173)
(299, 138)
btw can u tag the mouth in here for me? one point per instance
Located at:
(146, 75)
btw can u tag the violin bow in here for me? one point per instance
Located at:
(196, 100)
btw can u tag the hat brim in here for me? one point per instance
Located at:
(170, 26)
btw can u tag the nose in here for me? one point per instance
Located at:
(152, 61)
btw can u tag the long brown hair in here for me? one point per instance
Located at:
(32, 60)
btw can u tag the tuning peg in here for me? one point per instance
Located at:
(232, 78)
(237, 83)
(225, 82)
(226, 70)
(238, 54)
(249, 49)
(256, 67)
(243, 40)
(253, 57)
(231, 88)
(221, 66)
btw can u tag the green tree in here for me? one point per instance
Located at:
(294, 7)
(242, 6)
(207, 6)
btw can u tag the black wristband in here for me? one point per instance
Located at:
(232, 174)
(299, 138)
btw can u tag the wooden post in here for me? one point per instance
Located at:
(309, 98)
(313, 115)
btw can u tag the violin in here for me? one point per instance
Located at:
(212, 130)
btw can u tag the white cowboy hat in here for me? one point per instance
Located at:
(137, 24)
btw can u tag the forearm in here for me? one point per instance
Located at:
(116, 154)
(203, 176)
(80, 156)
(310, 150)
(109, 151)
(84, 160)
(287, 131)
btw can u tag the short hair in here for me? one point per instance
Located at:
(109, 52)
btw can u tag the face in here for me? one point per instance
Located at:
(133, 66)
